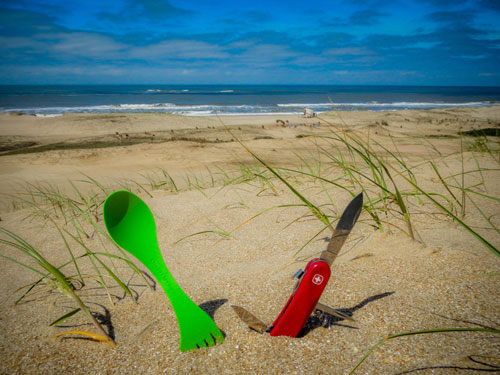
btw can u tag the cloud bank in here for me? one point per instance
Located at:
(366, 42)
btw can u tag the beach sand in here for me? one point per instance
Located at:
(253, 228)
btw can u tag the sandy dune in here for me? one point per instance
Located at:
(253, 228)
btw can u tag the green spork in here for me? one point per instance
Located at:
(131, 225)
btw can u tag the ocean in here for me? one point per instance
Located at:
(207, 100)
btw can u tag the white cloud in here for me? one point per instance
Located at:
(65, 45)
(83, 44)
(265, 55)
(351, 51)
(178, 49)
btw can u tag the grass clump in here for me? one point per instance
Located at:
(389, 182)
(492, 132)
(352, 163)
(52, 276)
(60, 146)
(424, 332)
(92, 260)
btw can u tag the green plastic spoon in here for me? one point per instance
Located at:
(131, 225)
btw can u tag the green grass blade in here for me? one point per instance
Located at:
(108, 270)
(309, 241)
(64, 317)
(21, 264)
(421, 332)
(492, 225)
(30, 288)
(478, 193)
(492, 248)
(96, 183)
(116, 278)
(263, 212)
(443, 182)
(315, 210)
(220, 233)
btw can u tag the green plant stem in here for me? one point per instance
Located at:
(411, 333)
(493, 249)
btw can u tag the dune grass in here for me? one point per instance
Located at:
(76, 216)
(421, 332)
(388, 181)
(52, 276)
(92, 257)
(391, 187)
(340, 161)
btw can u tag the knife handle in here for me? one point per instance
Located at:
(303, 300)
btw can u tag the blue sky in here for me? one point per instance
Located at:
(424, 42)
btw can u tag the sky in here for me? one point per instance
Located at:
(359, 42)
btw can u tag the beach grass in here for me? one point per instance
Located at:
(387, 180)
(425, 332)
(76, 218)
(340, 161)
(52, 276)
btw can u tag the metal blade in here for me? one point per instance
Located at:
(344, 226)
(252, 321)
(332, 311)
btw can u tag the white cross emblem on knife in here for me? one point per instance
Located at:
(317, 279)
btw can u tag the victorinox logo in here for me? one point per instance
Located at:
(318, 279)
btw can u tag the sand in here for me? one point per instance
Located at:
(388, 282)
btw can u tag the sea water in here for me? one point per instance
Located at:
(209, 100)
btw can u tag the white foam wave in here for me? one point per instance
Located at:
(174, 91)
(167, 91)
(304, 105)
(146, 106)
(48, 114)
(383, 105)
(236, 109)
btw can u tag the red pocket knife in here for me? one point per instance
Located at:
(311, 283)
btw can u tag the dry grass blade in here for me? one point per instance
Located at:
(484, 275)
(93, 336)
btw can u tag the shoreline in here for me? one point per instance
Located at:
(339, 107)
